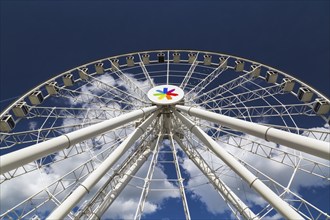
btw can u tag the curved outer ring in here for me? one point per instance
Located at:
(6, 110)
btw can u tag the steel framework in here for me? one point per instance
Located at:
(95, 138)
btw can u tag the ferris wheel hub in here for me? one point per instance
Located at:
(165, 95)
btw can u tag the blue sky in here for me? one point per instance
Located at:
(39, 39)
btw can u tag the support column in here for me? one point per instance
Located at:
(308, 145)
(274, 200)
(85, 187)
(18, 158)
(222, 188)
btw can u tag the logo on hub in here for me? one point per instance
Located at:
(165, 93)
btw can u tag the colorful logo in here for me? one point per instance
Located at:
(165, 93)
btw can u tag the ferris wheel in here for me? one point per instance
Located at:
(128, 136)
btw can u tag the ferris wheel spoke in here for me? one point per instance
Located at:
(52, 194)
(129, 82)
(145, 72)
(251, 179)
(112, 90)
(70, 202)
(248, 96)
(180, 179)
(189, 73)
(148, 178)
(108, 193)
(268, 110)
(76, 150)
(208, 79)
(83, 97)
(225, 87)
(301, 205)
(221, 187)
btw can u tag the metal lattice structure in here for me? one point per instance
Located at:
(91, 137)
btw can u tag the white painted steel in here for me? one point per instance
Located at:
(61, 211)
(111, 196)
(277, 203)
(308, 145)
(20, 157)
(225, 191)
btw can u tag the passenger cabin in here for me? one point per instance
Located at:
(223, 62)
(176, 57)
(36, 97)
(287, 84)
(114, 64)
(161, 57)
(239, 65)
(7, 123)
(191, 57)
(304, 94)
(20, 109)
(52, 88)
(271, 76)
(145, 58)
(83, 73)
(321, 106)
(207, 59)
(130, 60)
(99, 68)
(68, 80)
(255, 71)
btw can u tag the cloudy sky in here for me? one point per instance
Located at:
(40, 39)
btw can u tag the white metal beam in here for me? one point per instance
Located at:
(308, 145)
(20, 157)
(225, 191)
(280, 205)
(85, 187)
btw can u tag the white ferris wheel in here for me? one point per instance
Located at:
(154, 126)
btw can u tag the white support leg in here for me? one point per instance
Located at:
(225, 191)
(308, 145)
(20, 157)
(126, 177)
(280, 205)
(70, 202)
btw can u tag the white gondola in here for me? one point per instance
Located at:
(130, 61)
(68, 80)
(99, 68)
(321, 106)
(255, 71)
(7, 123)
(176, 57)
(239, 65)
(191, 57)
(223, 62)
(83, 73)
(145, 58)
(114, 64)
(52, 88)
(161, 57)
(271, 76)
(21, 109)
(36, 97)
(304, 94)
(207, 59)
(287, 84)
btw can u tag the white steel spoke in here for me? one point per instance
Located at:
(189, 73)
(145, 72)
(180, 179)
